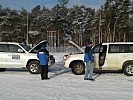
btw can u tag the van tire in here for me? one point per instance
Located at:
(33, 67)
(128, 69)
(78, 68)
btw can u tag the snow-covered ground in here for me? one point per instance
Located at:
(18, 84)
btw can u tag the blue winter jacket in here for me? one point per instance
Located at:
(43, 56)
(88, 56)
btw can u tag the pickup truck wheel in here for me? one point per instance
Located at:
(78, 68)
(128, 69)
(33, 67)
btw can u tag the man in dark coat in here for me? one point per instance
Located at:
(43, 56)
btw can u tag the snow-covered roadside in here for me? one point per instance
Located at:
(63, 85)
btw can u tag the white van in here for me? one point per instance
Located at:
(116, 56)
(16, 55)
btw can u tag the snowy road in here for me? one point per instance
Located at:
(18, 84)
(63, 85)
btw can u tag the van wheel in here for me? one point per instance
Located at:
(128, 69)
(33, 67)
(78, 68)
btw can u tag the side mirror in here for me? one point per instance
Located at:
(20, 51)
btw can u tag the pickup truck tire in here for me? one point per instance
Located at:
(128, 69)
(33, 67)
(78, 68)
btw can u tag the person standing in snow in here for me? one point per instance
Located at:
(43, 56)
(88, 59)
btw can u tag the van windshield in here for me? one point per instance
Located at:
(26, 47)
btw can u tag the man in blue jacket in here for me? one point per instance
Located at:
(43, 56)
(88, 59)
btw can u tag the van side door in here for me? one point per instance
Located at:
(14, 57)
(95, 51)
(102, 57)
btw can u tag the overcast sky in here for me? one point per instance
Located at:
(29, 4)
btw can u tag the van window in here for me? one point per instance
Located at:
(13, 48)
(3, 48)
(130, 48)
(96, 48)
(120, 48)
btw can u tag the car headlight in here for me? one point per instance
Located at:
(65, 57)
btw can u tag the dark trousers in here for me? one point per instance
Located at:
(44, 71)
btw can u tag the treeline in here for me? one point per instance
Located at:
(113, 22)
